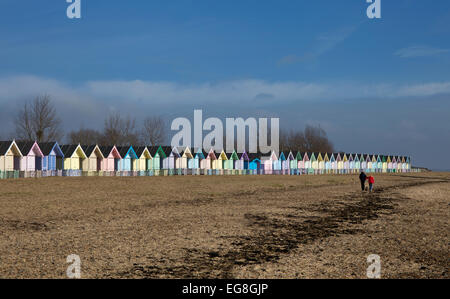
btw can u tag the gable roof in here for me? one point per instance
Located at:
(212, 154)
(140, 150)
(243, 156)
(254, 156)
(89, 149)
(125, 150)
(6, 145)
(48, 147)
(26, 146)
(168, 150)
(69, 149)
(106, 150)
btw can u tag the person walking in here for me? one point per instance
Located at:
(363, 178)
(371, 180)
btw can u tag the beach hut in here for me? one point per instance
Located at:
(314, 163)
(346, 163)
(385, 163)
(93, 163)
(268, 163)
(31, 161)
(321, 163)
(399, 164)
(290, 164)
(126, 164)
(202, 161)
(52, 162)
(185, 158)
(333, 163)
(199, 157)
(404, 164)
(363, 162)
(408, 164)
(171, 161)
(241, 165)
(143, 164)
(389, 163)
(220, 163)
(232, 162)
(255, 165)
(394, 164)
(351, 163)
(308, 164)
(340, 163)
(210, 162)
(369, 163)
(374, 161)
(379, 164)
(357, 162)
(73, 159)
(368, 160)
(10, 156)
(327, 162)
(278, 164)
(110, 163)
(300, 164)
(158, 156)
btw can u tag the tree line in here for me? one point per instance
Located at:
(38, 120)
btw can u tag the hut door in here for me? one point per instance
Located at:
(16, 163)
(38, 163)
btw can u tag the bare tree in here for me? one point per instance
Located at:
(316, 140)
(38, 121)
(312, 139)
(85, 137)
(119, 130)
(154, 131)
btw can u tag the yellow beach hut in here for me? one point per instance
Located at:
(92, 165)
(73, 160)
(10, 157)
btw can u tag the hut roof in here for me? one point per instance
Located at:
(139, 150)
(4, 146)
(69, 149)
(88, 149)
(47, 147)
(25, 146)
(106, 149)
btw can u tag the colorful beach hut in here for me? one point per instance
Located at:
(127, 162)
(73, 159)
(10, 156)
(110, 163)
(170, 161)
(289, 163)
(255, 165)
(269, 162)
(93, 163)
(53, 158)
(32, 157)
(232, 161)
(144, 162)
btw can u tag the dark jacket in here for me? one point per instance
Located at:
(362, 177)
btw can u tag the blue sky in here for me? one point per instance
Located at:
(376, 85)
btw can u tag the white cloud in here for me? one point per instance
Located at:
(420, 51)
(88, 103)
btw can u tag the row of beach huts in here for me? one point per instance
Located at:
(32, 159)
